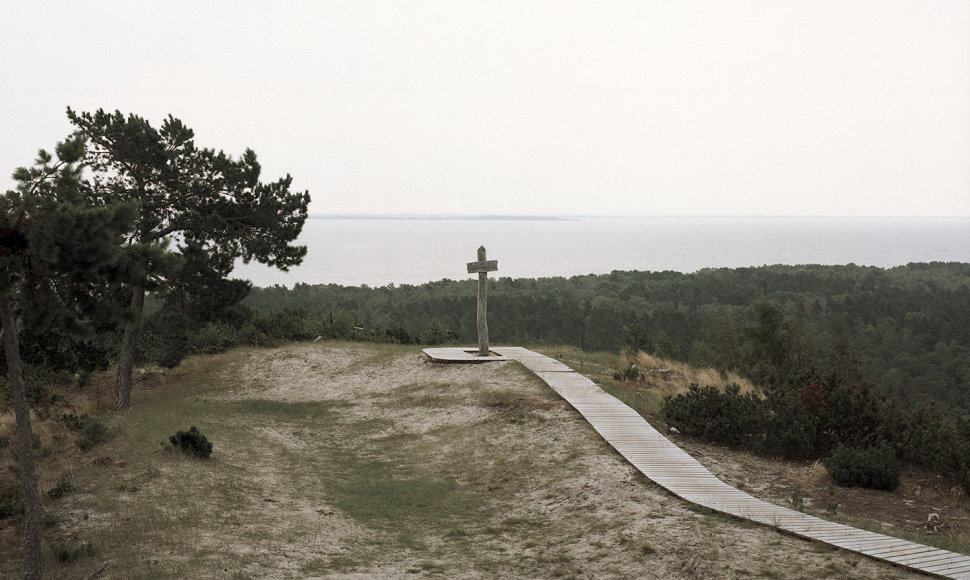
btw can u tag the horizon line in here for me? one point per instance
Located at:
(568, 217)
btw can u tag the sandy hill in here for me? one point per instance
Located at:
(355, 460)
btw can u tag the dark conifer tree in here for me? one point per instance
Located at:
(58, 252)
(189, 200)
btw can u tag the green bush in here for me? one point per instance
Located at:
(278, 327)
(37, 380)
(875, 467)
(790, 431)
(213, 338)
(286, 324)
(10, 503)
(727, 417)
(67, 553)
(249, 334)
(336, 324)
(851, 412)
(93, 433)
(397, 334)
(939, 441)
(436, 333)
(164, 338)
(61, 488)
(191, 442)
(73, 422)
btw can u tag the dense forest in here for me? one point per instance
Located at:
(907, 329)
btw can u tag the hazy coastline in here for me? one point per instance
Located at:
(410, 250)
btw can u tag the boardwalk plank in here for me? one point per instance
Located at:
(952, 570)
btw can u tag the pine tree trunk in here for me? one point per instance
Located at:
(28, 480)
(127, 360)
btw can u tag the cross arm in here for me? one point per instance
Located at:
(483, 266)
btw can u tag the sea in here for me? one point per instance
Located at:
(386, 250)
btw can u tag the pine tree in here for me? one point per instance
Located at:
(195, 199)
(57, 251)
(764, 347)
(724, 341)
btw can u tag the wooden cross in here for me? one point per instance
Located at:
(482, 267)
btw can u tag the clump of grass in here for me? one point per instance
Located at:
(796, 499)
(67, 553)
(638, 545)
(681, 376)
(513, 405)
(393, 500)
(814, 475)
(428, 395)
(645, 380)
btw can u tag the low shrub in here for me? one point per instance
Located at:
(875, 467)
(37, 380)
(729, 417)
(286, 324)
(67, 553)
(397, 334)
(73, 422)
(93, 433)
(164, 338)
(789, 431)
(61, 488)
(191, 442)
(436, 333)
(213, 338)
(630, 373)
(10, 503)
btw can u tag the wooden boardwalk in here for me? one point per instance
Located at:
(670, 467)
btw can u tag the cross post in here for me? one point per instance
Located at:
(482, 267)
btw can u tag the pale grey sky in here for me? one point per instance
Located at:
(602, 107)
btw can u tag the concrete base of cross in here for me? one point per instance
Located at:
(461, 355)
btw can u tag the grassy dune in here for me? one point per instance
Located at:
(338, 459)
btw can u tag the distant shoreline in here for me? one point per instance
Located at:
(567, 218)
(442, 217)
(380, 249)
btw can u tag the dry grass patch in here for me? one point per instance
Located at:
(642, 380)
(672, 377)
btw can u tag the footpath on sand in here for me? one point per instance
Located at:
(670, 467)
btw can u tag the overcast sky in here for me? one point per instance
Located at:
(638, 108)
